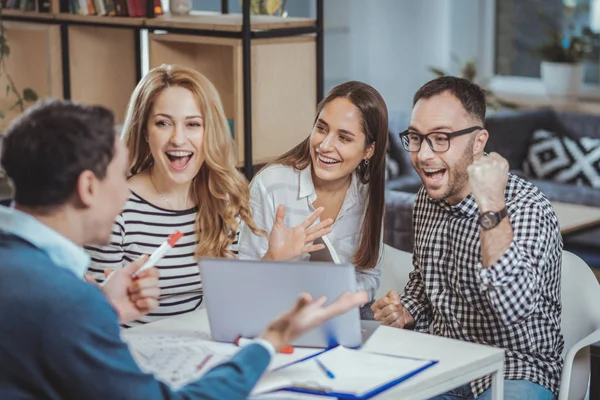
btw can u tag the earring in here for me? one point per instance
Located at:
(367, 161)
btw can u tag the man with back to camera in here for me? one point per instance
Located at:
(487, 247)
(68, 168)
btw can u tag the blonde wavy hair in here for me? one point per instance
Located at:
(219, 189)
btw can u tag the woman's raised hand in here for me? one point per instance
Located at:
(286, 243)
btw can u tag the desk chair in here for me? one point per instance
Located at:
(397, 264)
(580, 324)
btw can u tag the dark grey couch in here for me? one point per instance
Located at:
(511, 133)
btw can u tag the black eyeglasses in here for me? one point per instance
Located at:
(437, 141)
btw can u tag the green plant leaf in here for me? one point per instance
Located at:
(2, 114)
(437, 71)
(29, 95)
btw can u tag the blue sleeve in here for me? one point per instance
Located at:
(85, 358)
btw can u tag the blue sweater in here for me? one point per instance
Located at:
(59, 339)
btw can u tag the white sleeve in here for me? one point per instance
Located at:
(252, 246)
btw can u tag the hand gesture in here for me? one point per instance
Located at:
(131, 297)
(287, 243)
(308, 314)
(487, 178)
(390, 312)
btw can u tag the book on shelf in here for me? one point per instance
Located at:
(110, 8)
(42, 6)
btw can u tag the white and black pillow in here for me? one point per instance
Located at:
(563, 159)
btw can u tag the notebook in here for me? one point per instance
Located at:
(358, 374)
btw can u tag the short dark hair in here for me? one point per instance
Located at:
(470, 95)
(46, 149)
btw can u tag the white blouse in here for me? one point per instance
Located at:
(279, 184)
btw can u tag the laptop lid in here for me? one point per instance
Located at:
(243, 296)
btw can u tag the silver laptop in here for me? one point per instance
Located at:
(242, 297)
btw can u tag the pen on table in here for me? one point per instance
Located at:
(204, 362)
(157, 255)
(242, 342)
(324, 368)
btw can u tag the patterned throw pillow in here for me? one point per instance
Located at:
(563, 159)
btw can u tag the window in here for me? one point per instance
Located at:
(521, 29)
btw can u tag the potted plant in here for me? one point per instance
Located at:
(561, 68)
(562, 58)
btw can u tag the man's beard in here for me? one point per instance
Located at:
(457, 174)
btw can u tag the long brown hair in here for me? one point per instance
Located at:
(374, 117)
(219, 189)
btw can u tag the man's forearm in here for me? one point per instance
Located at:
(495, 242)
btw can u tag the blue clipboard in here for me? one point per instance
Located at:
(314, 390)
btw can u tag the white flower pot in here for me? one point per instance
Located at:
(562, 80)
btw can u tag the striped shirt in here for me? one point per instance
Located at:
(140, 229)
(279, 184)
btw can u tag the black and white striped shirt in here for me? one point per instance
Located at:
(140, 229)
(514, 304)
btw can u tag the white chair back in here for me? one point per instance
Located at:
(580, 324)
(397, 264)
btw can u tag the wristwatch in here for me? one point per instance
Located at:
(491, 219)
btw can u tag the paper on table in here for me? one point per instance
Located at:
(161, 339)
(178, 358)
(179, 365)
(356, 372)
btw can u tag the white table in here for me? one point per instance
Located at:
(459, 362)
(573, 218)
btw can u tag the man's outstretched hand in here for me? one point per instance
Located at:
(308, 314)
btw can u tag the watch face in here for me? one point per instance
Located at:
(488, 220)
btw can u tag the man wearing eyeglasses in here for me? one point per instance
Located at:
(487, 251)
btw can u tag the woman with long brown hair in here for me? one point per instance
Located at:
(339, 168)
(182, 176)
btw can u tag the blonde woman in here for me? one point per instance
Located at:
(183, 176)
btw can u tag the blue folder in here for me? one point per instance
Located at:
(322, 391)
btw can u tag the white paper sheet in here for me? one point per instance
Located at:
(179, 358)
(356, 372)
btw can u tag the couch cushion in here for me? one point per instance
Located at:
(563, 159)
(510, 132)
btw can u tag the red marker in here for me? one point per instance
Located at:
(156, 256)
(160, 252)
(242, 342)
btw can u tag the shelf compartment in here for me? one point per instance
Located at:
(34, 62)
(103, 66)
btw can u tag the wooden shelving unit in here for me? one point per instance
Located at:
(35, 62)
(268, 70)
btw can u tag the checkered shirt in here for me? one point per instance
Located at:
(514, 304)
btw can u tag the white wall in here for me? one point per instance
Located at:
(391, 43)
